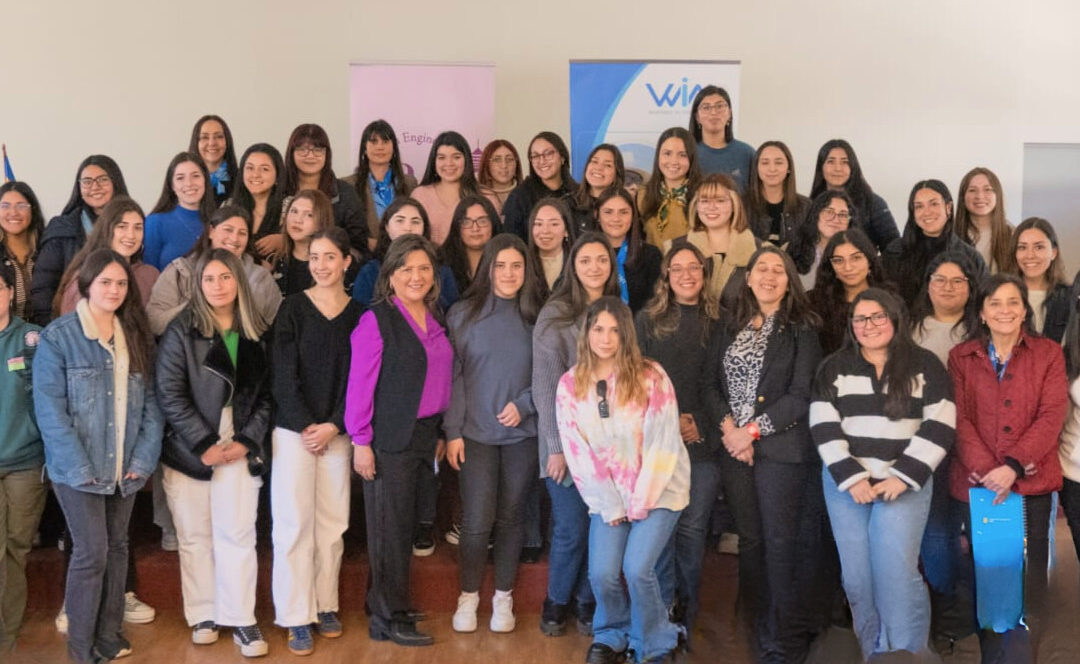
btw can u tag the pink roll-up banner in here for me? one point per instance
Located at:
(421, 100)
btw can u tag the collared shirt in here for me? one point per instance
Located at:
(117, 349)
(367, 345)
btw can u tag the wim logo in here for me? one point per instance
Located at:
(674, 93)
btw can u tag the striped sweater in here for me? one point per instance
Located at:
(857, 441)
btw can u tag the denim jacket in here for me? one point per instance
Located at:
(73, 386)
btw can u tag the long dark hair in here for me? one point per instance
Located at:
(794, 307)
(1055, 272)
(222, 214)
(582, 197)
(651, 199)
(530, 298)
(1000, 233)
(987, 288)
(924, 307)
(917, 248)
(570, 291)
(454, 140)
(1072, 333)
(856, 186)
(317, 136)
(105, 163)
(661, 314)
(899, 372)
(130, 313)
(229, 158)
(454, 251)
(271, 221)
(37, 219)
(168, 200)
(803, 245)
(564, 154)
(828, 284)
(695, 126)
(380, 129)
(382, 244)
(635, 236)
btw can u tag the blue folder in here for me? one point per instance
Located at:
(997, 542)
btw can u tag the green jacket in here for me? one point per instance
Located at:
(20, 442)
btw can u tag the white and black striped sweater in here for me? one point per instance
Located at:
(857, 441)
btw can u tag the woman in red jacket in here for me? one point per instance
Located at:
(1011, 399)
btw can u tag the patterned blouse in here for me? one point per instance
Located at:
(743, 363)
(631, 462)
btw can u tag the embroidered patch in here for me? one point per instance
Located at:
(16, 363)
(31, 338)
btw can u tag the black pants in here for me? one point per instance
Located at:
(768, 501)
(1016, 646)
(1070, 500)
(493, 483)
(389, 508)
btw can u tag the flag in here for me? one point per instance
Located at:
(9, 175)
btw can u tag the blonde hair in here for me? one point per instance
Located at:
(712, 184)
(630, 366)
(246, 321)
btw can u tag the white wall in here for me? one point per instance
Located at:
(922, 88)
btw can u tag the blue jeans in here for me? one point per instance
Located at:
(938, 552)
(568, 572)
(879, 558)
(631, 550)
(679, 568)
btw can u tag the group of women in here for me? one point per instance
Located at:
(638, 348)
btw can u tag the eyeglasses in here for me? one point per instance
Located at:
(546, 155)
(878, 319)
(692, 269)
(507, 160)
(101, 181)
(479, 222)
(718, 107)
(18, 207)
(305, 150)
(854, 259)
(941, 281)
(828, 214)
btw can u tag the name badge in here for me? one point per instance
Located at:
(16, 363)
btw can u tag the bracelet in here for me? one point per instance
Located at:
(753, 430)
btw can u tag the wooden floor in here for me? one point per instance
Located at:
(167, 640)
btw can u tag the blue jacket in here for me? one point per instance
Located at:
(73, 381)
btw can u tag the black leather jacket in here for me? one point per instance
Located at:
(195, 380)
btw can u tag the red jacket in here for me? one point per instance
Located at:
(1019, 417)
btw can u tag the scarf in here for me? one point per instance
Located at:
(668, 197)
(218, 179)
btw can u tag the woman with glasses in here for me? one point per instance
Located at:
(499, 171)
(21, 228)
(829, 213)
(474, 223)
(1011, 401)
(619, 421)
(980, 221)
(882, 418)
(675, 177)
(674, 330)
(718, 151)
(309, 165)
(849, 265)
(838, 169)
(97, 180)
(721, 232)
(549, 176)
(757, 390)
(928, 232)
(1035, 257)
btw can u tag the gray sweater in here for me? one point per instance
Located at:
(554, 352)
(492, 367)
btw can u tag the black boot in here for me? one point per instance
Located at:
(553, 618)
(600, 654)
(584, 614)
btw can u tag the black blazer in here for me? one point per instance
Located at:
(791, 359)
(195, 381)
(1056, 307)
(641, 277)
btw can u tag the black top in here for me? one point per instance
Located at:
(311, 356)
(293, 275)
(907, 267)
(349, 214)
(642, 275)
(1056, 307)
(62, 239)
(773, 224)
(787, 372)
(683, 356)
(398, 392)
(521, 200)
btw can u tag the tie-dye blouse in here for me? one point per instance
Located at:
(631, 462)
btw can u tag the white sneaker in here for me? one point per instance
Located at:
(61, 620)
(502, 612)
(250, 640)
(204, 633)
(136, 611)
(465, 616)
(169, 542)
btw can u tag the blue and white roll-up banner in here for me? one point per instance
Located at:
(630, 103)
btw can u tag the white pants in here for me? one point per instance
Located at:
(309, 498)
(215, 526)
